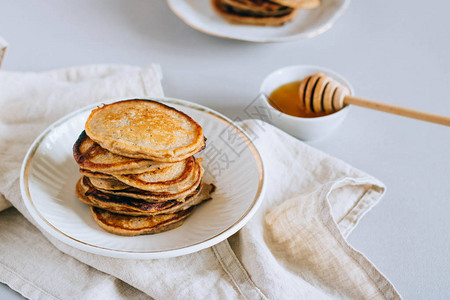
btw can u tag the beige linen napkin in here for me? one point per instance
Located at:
(293, 248)
(29, 102)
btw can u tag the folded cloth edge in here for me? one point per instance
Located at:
(22, 285)
(364, 205)
(370, 198)
(340, 229)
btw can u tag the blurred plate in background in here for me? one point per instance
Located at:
(200, 15)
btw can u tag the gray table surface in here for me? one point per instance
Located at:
(392, 51)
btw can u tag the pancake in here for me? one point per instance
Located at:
(257, 7)
(91, 157)
(303, 4)
(135, 207)
(276, 13)
(176, 173)
(137, 225)
(111, 184)
(239, 16)
(145, 129)
(157, 196)
(178, 180)
(176, 176)
(91, 174)
(151, 196)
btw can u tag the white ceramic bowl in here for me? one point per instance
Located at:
(306, 129)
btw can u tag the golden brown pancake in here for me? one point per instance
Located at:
(172, 179)
(140, 176)
(303, 4)
(173, 175)
(137, 225)
(91, 174)
(257, 7)
(144, 195)
(135, 207)
(195, 179)
(145, 129)
(172, 182)
(238, 16)
(151, 196)
(91, 157)
(111, 184)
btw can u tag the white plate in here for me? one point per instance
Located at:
(307, 23)
(49, 174)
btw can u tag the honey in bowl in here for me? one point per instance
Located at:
(286, 99)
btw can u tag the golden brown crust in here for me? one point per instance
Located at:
(302, 4)
(91, 174)
(137, 225)
(257, 7)
(130, 206)
(140, 173)
(236, 18)
(89, 195)
(158, 196)
(145, 129)
(171, 178)
(183, 179)
(111, 184)
(91, 157)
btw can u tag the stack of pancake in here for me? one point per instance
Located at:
(261, 12)
(139, 172)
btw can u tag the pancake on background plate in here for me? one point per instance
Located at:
(261, 12)
(304, 4)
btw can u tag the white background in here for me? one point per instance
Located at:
(391, 51)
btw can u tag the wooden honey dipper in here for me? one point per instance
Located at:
(321, 93)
